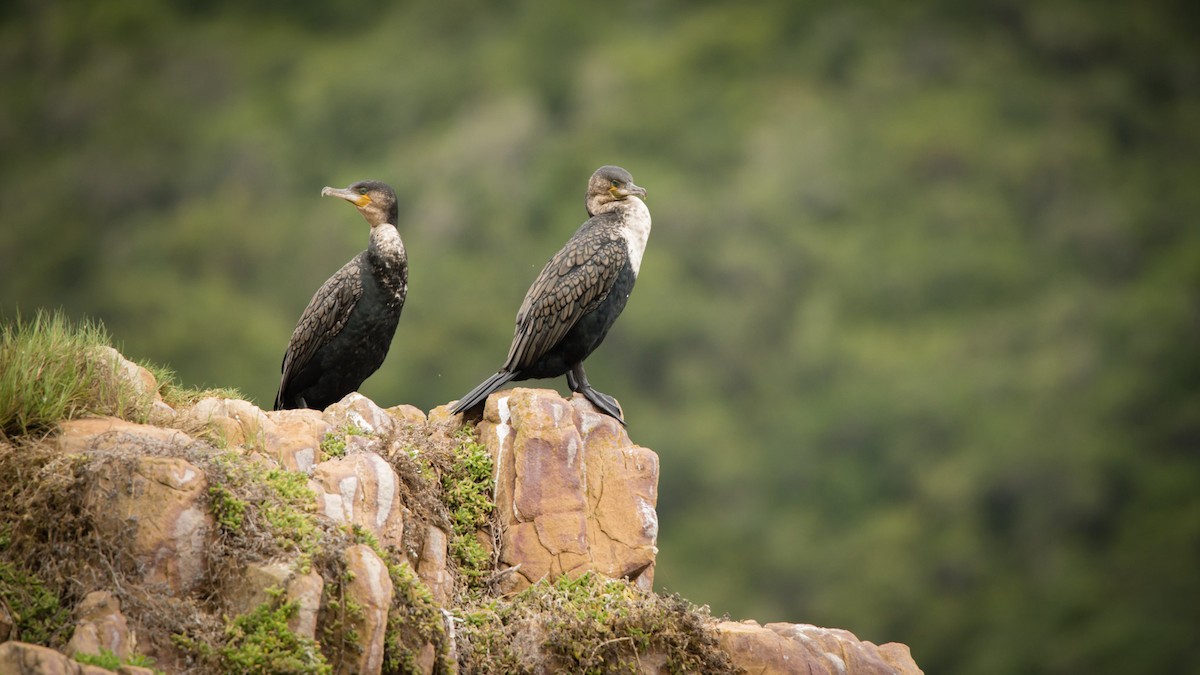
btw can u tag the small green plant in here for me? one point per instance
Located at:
(248, 497)
(106, 659)
(226, 508)
(467, 493)
(53, 370)
(290, 512)
(340, 615)
(334, 442)
(37, 616)
(260, 641)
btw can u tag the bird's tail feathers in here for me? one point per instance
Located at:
(481, 392)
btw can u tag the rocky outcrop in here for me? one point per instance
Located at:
(370, 590)
(783, 648)
(19, 658)
(154, 506)
(293, 439)
(99, 625)
(573, 493)
(361, 489)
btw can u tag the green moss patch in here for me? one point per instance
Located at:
(334, 442)
(467, 493)
(260, 641)
(588, 625)
(263, 510)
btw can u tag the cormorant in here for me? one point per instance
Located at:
(579, 293)
(344, 333)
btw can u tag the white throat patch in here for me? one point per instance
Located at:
(636, 228)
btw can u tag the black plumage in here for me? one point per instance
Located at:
(346, 330)
(577, 297)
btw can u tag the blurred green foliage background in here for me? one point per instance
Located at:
(917, 336)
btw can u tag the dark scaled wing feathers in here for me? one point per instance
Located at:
(572, 284)
(325, 316)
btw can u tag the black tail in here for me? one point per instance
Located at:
(478, 394)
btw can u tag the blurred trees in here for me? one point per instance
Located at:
(916, 337)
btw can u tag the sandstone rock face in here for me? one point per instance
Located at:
(362, 489)
(783, 648)
(406, 414)
(105, 434)
(359, 411)
(572, 492)
(241, 423)
(371, 589)
(305, 590)
(156, 505)
(19, 658)
(99, 624)
(251, 589)
(432, 565)
(293, 439)
(141, 379)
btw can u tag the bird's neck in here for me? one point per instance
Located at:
(635, 226)
(387, 256)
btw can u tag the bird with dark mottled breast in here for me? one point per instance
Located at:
(577, 297)
(347, 328)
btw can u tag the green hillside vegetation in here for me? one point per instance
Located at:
(916, 331)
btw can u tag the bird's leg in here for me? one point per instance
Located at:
(578, 382)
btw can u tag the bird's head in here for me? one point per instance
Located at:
(375, 200)
(608, 185)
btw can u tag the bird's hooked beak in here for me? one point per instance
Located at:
(345, 193)
(630, 190)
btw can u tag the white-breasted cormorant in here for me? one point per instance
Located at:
(579, 293)
(347, 328)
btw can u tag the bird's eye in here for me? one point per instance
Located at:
(616, 183)
(362, 190)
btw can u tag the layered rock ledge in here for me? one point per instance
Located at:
(222, 514)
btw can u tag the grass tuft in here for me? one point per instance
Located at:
(178, 396)
(53, 370)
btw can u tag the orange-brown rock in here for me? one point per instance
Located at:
(361, 489)
(240, 423)
(371, 589)
(250, 588)
(431, 566)
(138, 378)
(20, 658)
(305, 590)
(294, 438)
(255, 585)
(785, 648)
(155, 505)
(572, 492)
(108, 434)
(359, 411)
(406, 414)
(99, 625)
